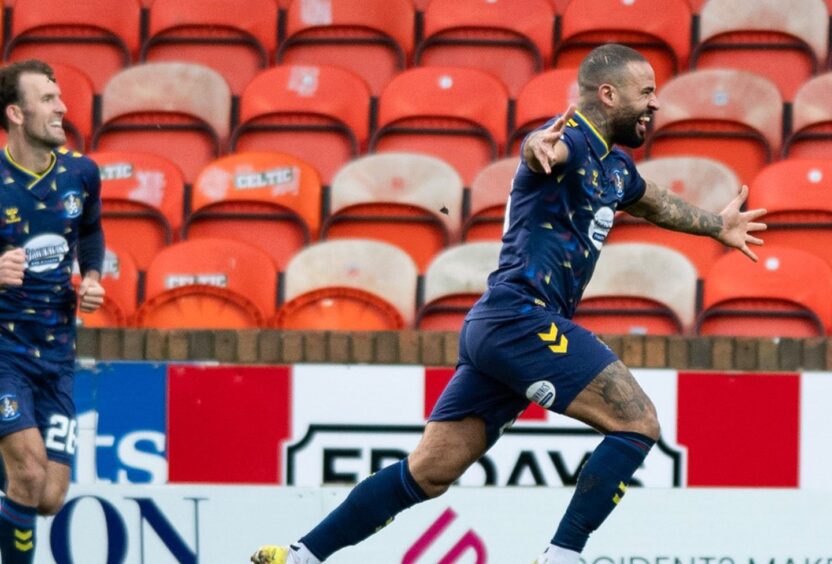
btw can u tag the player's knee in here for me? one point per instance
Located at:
(53, 497)
(649, 422)
(435, 484)
(434, 474)
(50, 505)
(27, 482)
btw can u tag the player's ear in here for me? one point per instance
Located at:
(14, 114)
(607, 94)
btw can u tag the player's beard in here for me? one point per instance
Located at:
(42, 135)
(625, 124)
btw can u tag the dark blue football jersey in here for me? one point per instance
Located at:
(45, 214)
(556, 225)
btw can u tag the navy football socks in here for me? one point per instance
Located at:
(601, 485)
(17, 532)
(370, 506)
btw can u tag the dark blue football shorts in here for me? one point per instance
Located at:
(507, 362)
(39, 394)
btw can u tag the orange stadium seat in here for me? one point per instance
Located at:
(786, 294)
(98, 37)
(545, 96)
(209, 284)
(181, 111)
(728, 115)
(512, 40)
(349, 284)
(409, 200)
(659, 29)
(639, 288)
(269, 200)
(811, 135)
(559, 5)
(696, 5)
(457, 114)
(372, 38)
(235, 39)
(120, 280)
(454, 281)
(78, 95)
(142, 198)
(489, 195)
(320, 114)
(784, 41)
(703, 182)
(797, 193)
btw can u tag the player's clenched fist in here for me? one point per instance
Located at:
(91, 293)
(12, 267)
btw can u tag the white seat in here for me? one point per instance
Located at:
(462, 269)
(372, 266)
(649, 271)
(703, 182)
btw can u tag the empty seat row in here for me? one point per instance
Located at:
(357, 284)
(417, 202)
(324, 115)
(378, 38)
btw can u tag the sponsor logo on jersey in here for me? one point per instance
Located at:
(45, 252)
(600, 226)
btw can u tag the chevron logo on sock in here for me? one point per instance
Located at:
(622, 488)
(551, 336)
(23, 540)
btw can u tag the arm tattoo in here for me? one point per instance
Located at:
(668, 210)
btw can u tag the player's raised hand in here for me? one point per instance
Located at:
(737, 225)
(539, 149)
(12, 267)
(91, 293)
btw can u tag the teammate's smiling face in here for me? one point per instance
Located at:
(636, 104)
(43, 110)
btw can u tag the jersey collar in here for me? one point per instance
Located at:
(596, 140)
(29, 178)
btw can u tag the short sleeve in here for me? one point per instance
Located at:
(574, 140)
(635, 185)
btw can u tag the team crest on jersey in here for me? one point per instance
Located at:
(618, 180)
(8, 407)
(72, 204)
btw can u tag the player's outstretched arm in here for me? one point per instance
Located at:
(12, 267)
(541, 150)
(731, 227)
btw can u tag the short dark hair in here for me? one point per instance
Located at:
(606, 64)
(10, 83)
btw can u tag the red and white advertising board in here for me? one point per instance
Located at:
(311, 424)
